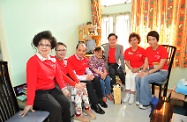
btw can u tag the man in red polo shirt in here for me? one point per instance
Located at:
(79, 64)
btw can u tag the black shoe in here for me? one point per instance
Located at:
(97, 109)
(103, 104)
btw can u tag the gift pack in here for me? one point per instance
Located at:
(117, 94)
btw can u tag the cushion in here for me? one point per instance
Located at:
(181, 88)
(37, 116)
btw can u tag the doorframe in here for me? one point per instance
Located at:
(3, 43)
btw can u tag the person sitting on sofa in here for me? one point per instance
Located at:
(41, 72)
(134, 59)
(78, 90)
(79, 64)
(97, 66)
(113, 53)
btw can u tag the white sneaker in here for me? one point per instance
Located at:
(137, 103)
(126, 98)
(144, 106)
(131, 99)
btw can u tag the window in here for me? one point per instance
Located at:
(118, 24)
(107, 27)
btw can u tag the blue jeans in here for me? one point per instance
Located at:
(143, 94)
(105, 85)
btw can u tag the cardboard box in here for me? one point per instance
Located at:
(185, 100)
(178, 96)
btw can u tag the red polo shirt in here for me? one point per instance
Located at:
(136, 58)
(156, 56)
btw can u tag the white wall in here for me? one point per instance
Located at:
(20, 20)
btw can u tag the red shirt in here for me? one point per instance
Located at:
(66, 69)
(111, 55)
(156, 56)
(40, 75)
(136, 58)
(78, 65)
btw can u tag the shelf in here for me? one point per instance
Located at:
(84, 33)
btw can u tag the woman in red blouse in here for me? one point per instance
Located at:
(156, 62)
(134, 59)
(78, 90)
(41, 72)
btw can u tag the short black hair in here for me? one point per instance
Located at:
(153, 34)
(44, 35)
(112, 34)
(89, 23)
(60, 43)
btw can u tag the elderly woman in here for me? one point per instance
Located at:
(97, 66)
(156, 62)
(41, 72)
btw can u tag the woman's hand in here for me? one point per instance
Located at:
(26, 109)
(103, 76)
(90, 77)
(134, 70)
(79, 86)
(83, 84)
(66, 93)
(143, 74)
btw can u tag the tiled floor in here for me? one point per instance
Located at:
(123, 113)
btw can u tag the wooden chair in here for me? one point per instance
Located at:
(9, 110)
(164, 85)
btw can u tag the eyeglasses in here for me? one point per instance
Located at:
(63, 50)
(44, 45)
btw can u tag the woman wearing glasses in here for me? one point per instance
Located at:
(78, 90)
(41, 70)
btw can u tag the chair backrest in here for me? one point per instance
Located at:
(8, 101)
(171, 54)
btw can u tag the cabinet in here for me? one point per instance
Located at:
(87, 32)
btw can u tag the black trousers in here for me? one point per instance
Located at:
(55, 102)
(94, 90)
(115, 69)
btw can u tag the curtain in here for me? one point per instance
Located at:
(96, 12)
(169, 18)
